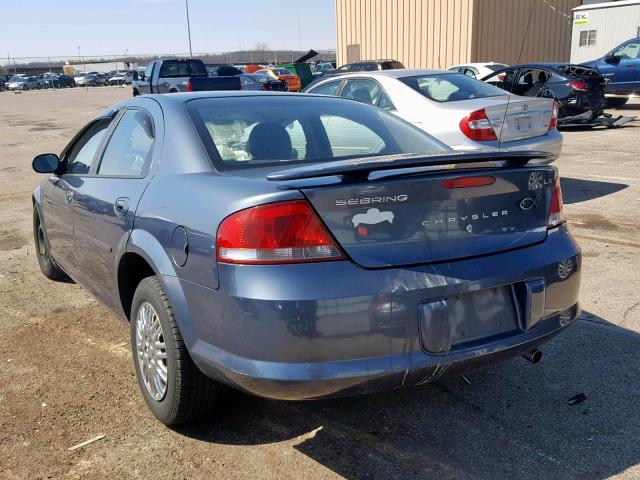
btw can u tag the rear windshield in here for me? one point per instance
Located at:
(392, 65)
(258, 131)
(450, 87)
(183, 68)
(281, 71)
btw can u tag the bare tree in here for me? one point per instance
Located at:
(262, 54)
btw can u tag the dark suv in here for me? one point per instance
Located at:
(369, 66)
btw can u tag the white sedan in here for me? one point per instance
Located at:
(477, 70)
(461, 112)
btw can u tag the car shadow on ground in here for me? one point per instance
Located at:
(576, 190)
(513, 420)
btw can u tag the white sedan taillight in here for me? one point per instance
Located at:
(553, 123)
(477, 126)
(282, 232)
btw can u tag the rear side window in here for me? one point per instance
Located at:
(130, 147)
(329, 88)
(183, 68)
(450, 87)
(392, 65)
(366, 91)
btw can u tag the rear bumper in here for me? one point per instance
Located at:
(550, 142)
(333, 329)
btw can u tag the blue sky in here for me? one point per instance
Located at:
(40, 28)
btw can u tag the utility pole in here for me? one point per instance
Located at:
(298, 30)
(186, 4)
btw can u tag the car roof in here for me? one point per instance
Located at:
(374, 61)
(395, 73)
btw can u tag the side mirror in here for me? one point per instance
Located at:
(142, 77)
(612, 58)
(46, 163)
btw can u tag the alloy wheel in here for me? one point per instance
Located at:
(151, 351)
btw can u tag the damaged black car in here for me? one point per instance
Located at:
(578, 90)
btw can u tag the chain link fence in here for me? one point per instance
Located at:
(80, 62)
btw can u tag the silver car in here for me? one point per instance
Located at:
(24, 83)
(462, 112)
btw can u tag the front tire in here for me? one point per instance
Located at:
(173, 387)
(45, 261)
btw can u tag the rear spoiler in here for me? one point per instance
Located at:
(363, 166)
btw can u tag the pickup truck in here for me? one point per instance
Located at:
(621, 67)
(172, 76)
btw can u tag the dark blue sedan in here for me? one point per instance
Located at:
(300, 246)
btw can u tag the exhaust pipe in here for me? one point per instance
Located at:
(534, 356)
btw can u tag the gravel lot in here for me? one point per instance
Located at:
(66, 373)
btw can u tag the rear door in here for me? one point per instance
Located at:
(59, 193)
(106, 202)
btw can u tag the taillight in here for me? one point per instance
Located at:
(189, 86)
(553, 123)
(477, 127)
(282, 232)
(556, 217)
(265, 87)
(579, 85)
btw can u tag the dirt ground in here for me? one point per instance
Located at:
(66, 374)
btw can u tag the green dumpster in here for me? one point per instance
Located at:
(303, 70)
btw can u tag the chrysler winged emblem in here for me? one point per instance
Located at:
(536, 180)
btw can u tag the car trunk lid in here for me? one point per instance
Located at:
(520, 118)
(436, 215)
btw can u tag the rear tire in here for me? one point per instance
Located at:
(173, 387)
(45, 261)
(616, 102)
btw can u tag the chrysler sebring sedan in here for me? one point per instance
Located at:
(301, 246)
(460, 111)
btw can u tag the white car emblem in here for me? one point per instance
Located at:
(372, 217)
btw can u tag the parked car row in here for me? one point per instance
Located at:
(54, 80)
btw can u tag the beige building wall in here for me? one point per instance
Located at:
(499, 27)
(441, 33)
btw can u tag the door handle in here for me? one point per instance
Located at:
(121, 206)
(68, 198)
(629, 65)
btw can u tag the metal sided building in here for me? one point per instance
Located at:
(600, 27)
(441, 33)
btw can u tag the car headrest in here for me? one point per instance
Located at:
(528, 78)
(362, 95)
(543, 77)
(269, 141)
